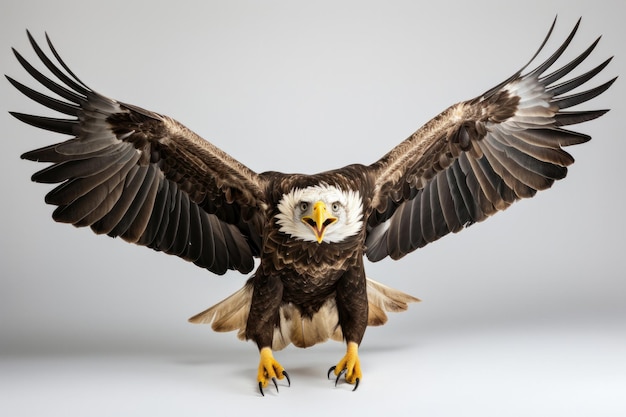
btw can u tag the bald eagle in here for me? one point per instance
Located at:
(146, 178)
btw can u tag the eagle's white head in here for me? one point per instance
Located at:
(320, 213)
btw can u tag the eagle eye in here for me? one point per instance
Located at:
(304, 205)
(336, 206)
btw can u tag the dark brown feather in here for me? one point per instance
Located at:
(132, 173)
(477, 157)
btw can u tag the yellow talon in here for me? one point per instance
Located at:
(270, 370)
(350, 365)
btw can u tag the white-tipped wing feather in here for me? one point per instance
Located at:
(479, 156)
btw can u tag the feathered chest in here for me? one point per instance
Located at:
(315, 261)
(310, 271)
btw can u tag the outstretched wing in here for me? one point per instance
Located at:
(142, 176)
(479, 156)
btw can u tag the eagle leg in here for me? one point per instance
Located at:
(349, 365)
(269, 370)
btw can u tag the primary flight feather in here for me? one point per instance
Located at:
(146, 178)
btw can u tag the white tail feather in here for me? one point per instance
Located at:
(383, 299)
(229, 314)
(232, 314)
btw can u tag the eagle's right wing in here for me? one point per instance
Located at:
(142, 176)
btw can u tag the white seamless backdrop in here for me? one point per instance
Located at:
(523, 314)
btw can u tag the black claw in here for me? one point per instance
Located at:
(275, 383)
(343, 371)
(287, 376)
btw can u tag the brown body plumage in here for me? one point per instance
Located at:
(136, 174)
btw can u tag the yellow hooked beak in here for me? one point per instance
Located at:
(319, 220)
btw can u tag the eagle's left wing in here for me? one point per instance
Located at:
(478, 157)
